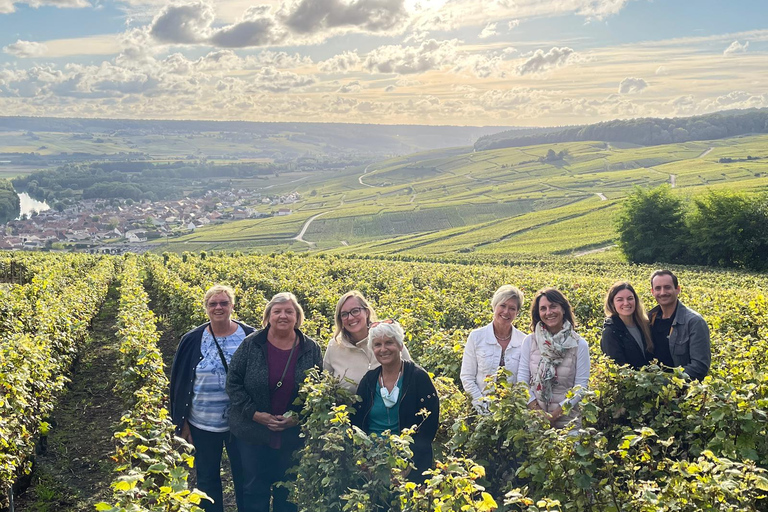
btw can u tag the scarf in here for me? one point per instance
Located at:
(552, 348)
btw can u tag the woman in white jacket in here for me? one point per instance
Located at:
(493, 346)
(348, 355)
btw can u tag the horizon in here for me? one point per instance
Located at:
(481, 63)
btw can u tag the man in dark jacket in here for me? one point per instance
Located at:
(680, 335)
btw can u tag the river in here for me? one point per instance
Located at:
(29, 205)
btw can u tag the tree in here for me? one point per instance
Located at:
(651, 226)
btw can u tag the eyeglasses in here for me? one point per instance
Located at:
(387, 321)
(214, 305)
(352, 312)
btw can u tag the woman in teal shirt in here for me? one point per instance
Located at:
(394, 393)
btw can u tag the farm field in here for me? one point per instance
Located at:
(488, 202)
(651, 440)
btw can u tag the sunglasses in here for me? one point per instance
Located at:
(214, 304)
(387, 321)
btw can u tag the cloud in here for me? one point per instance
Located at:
(390, 88)
(632, 85)
(540, 62)
(736, 47)
(599, 9)
(512, 24)
(350, 87)
(9, 6)
(403, 60)
(342, 63)
(313, 16)
(662, 70)
(256, 28)
(488, 31)
(183, 23)
(26, 49)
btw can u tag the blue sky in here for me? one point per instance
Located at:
(480, 62)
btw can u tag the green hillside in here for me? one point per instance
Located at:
(512, 200)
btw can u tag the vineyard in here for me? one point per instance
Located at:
(651, 440)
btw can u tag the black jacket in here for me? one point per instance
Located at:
(418, 393)
(248, 387)
(618, 344)
(187, 357)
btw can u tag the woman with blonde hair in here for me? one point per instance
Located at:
(626, 332)
(348, 355)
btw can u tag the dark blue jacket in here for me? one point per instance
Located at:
(187, 357)
(619, 344)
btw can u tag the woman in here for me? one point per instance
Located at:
(348, 355)
(554, 359)
(199, 401)
(394, 393)
(626, 332)
(494, 346)
(263, 382)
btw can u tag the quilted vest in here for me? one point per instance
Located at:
(566, 377)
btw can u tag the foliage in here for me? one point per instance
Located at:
(9, 202)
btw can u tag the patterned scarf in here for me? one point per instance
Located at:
(552, 349)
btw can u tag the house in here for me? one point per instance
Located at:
(284, 211)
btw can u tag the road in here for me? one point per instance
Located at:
(601, 196)
(360, 179)
(300, 236)
(705, 153)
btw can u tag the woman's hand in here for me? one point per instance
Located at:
(555, 415)
(186, 434)
(534, 406)
(275, 423)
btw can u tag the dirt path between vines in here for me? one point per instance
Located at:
(76, 470)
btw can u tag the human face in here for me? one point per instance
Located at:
(387, 351)
(624, 303)
(664, 291)
(282, 317)
(219, 308)
(505, 312)
(551, 314)
(355, 324)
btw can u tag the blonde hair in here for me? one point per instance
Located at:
(217, 289)
(506, 292)
(339, 333)
(279, 299)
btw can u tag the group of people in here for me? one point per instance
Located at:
(234, 387)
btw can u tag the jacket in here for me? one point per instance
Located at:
(619, 344)
(418, 393)
(248, 387)
(482, 354)
(185, 361)
(688, 341)
(349, 363)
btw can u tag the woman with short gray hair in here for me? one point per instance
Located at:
(494, 346)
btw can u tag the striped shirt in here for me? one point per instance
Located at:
(210, 403)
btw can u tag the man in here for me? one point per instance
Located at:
(680, 335)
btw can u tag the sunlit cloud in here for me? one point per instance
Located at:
(540, 61)
(488, 31)
(736, 47)
(632, 85)
(25, 49)
(9, 6)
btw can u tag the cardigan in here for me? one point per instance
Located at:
(248, 387)
(185, 361)
(619, 344)
(418, 393)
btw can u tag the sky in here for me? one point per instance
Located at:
(440, 62)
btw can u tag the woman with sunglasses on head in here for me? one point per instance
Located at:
(199, 401)
(496, 345)
(348, 355)
(263, 383)
(626, 332)
(394, 393)
(554, 359)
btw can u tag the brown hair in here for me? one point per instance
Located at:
(279, 299)
(552, 295)
(639, 316)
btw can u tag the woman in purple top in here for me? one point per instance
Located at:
(262, 383)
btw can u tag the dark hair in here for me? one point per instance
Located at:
(664, 272)
(552, 295)
(639, 316)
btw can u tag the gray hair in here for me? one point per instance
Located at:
(279, 299)
(506, 292)
(386, 330)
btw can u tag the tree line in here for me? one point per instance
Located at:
(10, 205)
(648, 131)
(720, 228)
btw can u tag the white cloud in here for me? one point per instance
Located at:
(26, 49)
(488, 31)
(256, 28)
(599, 9)
(632, 85)
(540, 62)
(8, 6)
(350, 87)
(312, 16)
(183, 23)
(512, 24)
(342, 63)
(403, 60)
(662, 70)
(736, 47)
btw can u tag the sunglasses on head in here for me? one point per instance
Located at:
(387, 321)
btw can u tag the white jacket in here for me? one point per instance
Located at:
(349, 363)
(482, 354)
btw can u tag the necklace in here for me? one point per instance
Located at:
(502, 338)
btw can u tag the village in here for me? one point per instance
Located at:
(116, 226)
